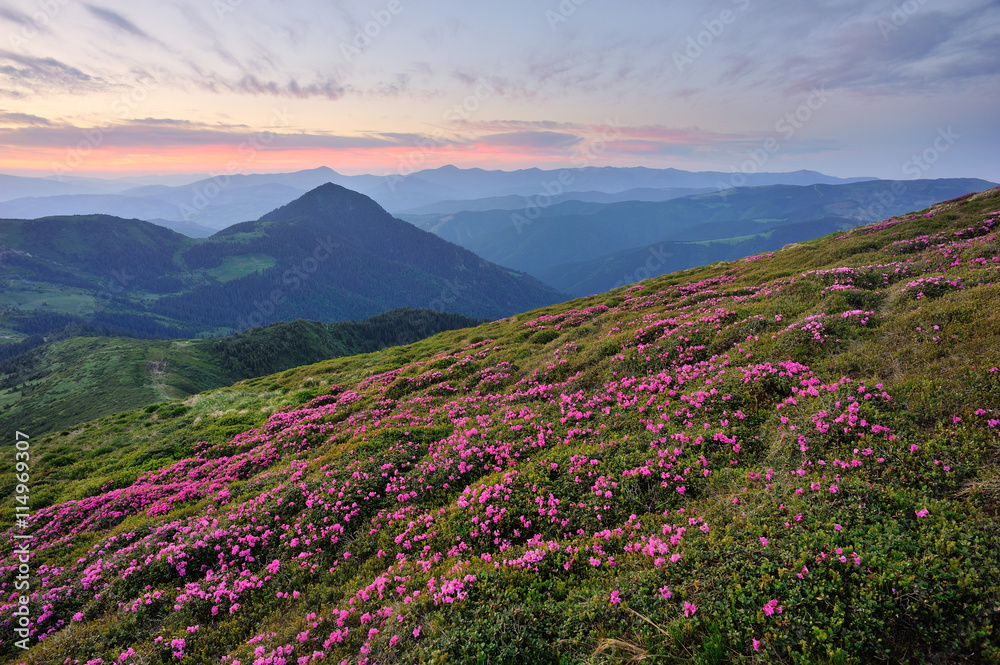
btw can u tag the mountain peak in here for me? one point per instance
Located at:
(327, 199)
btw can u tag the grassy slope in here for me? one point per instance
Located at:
(791, 458)
(82, 378)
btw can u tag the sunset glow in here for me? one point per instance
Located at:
(366, 86)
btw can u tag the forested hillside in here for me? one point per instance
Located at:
(85, 376)
(331, 255)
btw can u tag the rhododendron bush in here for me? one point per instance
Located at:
(790, 458)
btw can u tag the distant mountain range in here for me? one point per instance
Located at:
(199, 208)
(330, 255)
(333, 254)
(583, 248)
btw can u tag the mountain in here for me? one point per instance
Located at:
(789, 458)
(634, 265)
(331, 255)
(335, 254)
(174, 206)
(214, 202)
(189, 229)
(225, 199)
(17, 187)
(519, 202)
(41, 390)
(566, 235)
(478, 183)
(14, 187)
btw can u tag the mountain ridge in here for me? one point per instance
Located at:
(333, 255)
(221, 200)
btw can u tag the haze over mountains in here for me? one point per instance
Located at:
(334, 254)
(200, 207)
(330, 255)
(583, 248)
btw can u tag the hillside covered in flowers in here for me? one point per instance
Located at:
(789, 458)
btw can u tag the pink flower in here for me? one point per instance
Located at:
(763, 541)
(771, 606)
(416, 631)
(665, 592)
(914, 447)
(78, 616)
(614, 598)
(689, 609)
(756, 644)
(837, 527)
(923, 512)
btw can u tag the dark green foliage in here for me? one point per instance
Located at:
(331, 255)
(41, 388)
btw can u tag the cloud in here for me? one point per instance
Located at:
(23, 75)
(14, 16)
(874, 50)
(251, 85)
(541, 140)
(518, 125)
(657, 133)
(116, 20)
(170, 132)
(22, 119)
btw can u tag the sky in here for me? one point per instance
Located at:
(886, 89)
